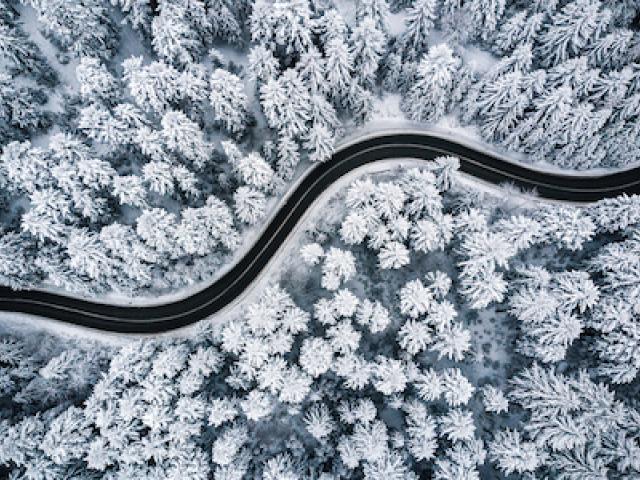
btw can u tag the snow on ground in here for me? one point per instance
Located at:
(396, 22)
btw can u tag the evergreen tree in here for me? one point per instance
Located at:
(225, 20)
(174, 30)
(228, 100)
(486, 16)
(377, 10)
(96, 82)
(576, 27)
(137, 13)
(84, 28)
(420, 20)
(185, 137)
(430, 96)
(24, 55)
(367, 48)
(339, 67)
(282, 25)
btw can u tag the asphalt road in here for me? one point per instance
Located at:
(169, 316)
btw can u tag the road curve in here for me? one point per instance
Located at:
(160, 318)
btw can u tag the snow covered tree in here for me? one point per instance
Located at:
(513, 454)
(88, 256)
(457, 425)
(393, 255)
(288, 152)
(25, 167)
(420, 20)
(175, 31)
(282, 25)
(569, 227)
(249, 205)
(96, 82)
(452, 342)
(204, 229)
(24, 55)
(338, 266)
(577, 26)
(17, 269)
(156, 85)
(262, 63)
(130, 190)
(486, 15)
(312, 70)
(377, 10)
(254, 170)
(226, 20)
(285, 103)
(339, 68)
(456, 388)
(522, 28)
(439, 82)
(83, 28)
(367, 48)
(185, 137)
(319, 142)
(157, 228)
(228, 100)
(137, 13)
(494, 400)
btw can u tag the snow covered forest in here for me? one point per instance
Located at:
(142, 140)
(423, 329)
(420, 328)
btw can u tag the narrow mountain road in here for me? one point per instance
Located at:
(423, 146)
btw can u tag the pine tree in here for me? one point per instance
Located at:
(377, 10)
(203, 230)
(319, 142)
(339, 67)
(420, 20)
(367, 49)
(157, 228)
(522, 28)
(174, 31)
(84, 28)
(250, 205)
(513, 454)
(156, 85)
(612, 51)
(486, 16)
(228, 100)
(457, 425)
(130, 190)
(263, 64)
(254, 170)
(285, 25)
(26, 168)
(24, 55)
(576, 27)
(17, 268)
(138, 13)
(225, 19)
(185, 137)
(429, 98)
(159, 177)
(295, 113)
(88, 256)
(96, 82)
(312, 71)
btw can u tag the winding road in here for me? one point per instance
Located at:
(221, 293)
